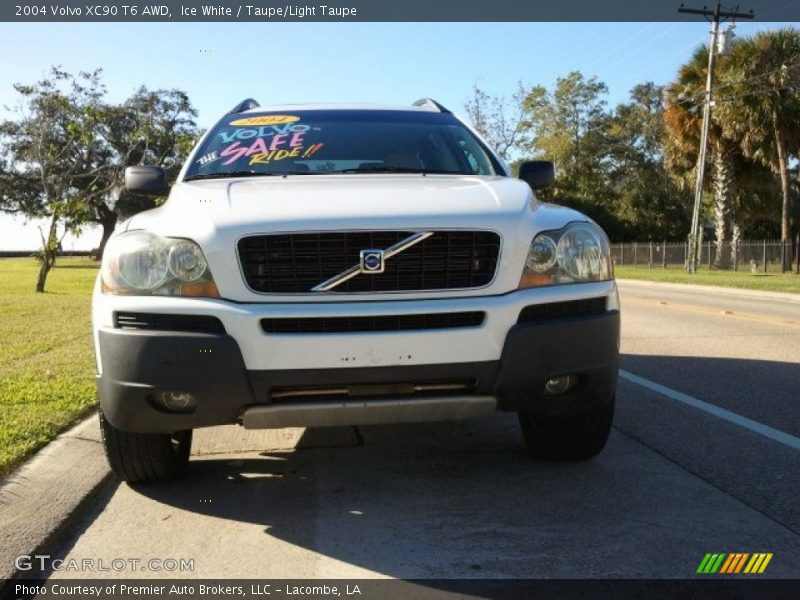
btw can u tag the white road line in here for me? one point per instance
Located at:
(765, 430)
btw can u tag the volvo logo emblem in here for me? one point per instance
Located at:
(372, 261)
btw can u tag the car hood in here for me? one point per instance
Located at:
(303, 202)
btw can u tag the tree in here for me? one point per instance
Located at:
(636, 129)
(498, 120)
(566, 125)
(54, 160)
(757, 201)
(154, 127)
(646, 198)
(760, 105)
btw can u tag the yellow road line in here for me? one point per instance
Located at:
(709, 311)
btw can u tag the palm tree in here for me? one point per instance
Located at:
(683, 118)
(757, 198)
(758, 103)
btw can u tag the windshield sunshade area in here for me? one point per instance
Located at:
(310, 142)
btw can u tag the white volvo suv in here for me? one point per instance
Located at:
(322, 265)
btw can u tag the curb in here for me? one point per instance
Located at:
(38, 499)
(714, 289)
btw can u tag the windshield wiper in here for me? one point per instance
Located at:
(392, 169)
(222, 175)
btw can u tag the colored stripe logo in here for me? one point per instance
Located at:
(734, 563)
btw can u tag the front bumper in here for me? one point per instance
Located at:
(229, 373)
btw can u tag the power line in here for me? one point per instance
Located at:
(696, 98)
(638, 76)
(640, 47)
(618, 47)
(718, 13)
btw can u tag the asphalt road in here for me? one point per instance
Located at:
(679, 478)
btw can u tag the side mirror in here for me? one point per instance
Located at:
(151, 181)
(537, 173)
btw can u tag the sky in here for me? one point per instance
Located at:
(220, 64)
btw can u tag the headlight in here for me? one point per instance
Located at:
(575, 254)
(143, 264)
(186, 261)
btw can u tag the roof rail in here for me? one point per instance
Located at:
(429, 103)
(244, 105)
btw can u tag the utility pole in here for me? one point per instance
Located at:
(716, 16)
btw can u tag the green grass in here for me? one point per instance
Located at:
(46, 361)
(773, 282)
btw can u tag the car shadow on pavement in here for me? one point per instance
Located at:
(428, 500)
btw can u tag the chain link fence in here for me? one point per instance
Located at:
(754, 256)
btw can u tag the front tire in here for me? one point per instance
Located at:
(144, 457)
(572, 438)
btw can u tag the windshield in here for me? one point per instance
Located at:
(312, 142)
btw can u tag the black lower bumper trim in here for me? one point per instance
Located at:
(138, 364)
